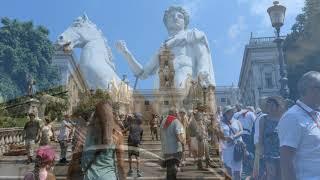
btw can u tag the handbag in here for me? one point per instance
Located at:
(239, 148)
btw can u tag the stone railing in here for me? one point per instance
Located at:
(263, 40)
(13, 136)
(10, 136)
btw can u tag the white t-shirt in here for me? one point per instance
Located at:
(228, 148)
(256, 128)
(298, 130)
(65, 130)
(247, 120)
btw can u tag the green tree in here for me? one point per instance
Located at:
(24, 49)
(88, 103)
(301, 47)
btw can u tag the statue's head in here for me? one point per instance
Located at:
(176, 18)
(78, 33)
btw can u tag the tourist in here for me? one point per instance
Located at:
(258, 168)
(47, 133)
(64, 137)
(184, 121)
(44, 163)
(153, 123)
(192, 132)
(238, 111)
(32, 133)
(268, 137)
(215, 131)
(188, 137)
(247, 118)
(172, 139)
(127, 124)
(232, 130)
(134, 140)
(102, 157)
(199, 130)
(299, 132)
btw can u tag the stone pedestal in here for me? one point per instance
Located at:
(33, 106)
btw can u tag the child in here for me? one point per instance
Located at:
(45, 156)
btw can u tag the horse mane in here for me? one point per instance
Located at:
(109, 52)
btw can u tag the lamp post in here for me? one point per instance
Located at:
(277, 16)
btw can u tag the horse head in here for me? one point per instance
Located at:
(81, 31)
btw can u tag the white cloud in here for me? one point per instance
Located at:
(259, 7)
(237, 28)
(235, 48)
(192, 6)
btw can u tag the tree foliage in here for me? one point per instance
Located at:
(24, 49)
(88, 103)
(300, 47)
(58, 103)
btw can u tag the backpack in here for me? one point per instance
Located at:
(135, 134)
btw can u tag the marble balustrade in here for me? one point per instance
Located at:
(12, 136)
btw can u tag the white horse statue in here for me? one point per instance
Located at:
(96, 62)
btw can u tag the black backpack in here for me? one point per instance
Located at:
(135, 133)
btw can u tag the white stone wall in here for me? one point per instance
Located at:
(259, 75)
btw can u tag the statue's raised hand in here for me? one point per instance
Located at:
(122, 46)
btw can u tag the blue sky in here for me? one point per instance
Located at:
(227, 24)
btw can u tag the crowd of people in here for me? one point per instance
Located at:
(271, 142)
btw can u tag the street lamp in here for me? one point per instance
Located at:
(277, 16)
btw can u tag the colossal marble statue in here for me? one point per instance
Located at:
(96, 62)
(192, 57)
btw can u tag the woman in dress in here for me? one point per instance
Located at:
(47, 133)
(232, 130)
(185, 123)
(102, 157)
(268, 138)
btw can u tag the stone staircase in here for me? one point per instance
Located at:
(14, 167)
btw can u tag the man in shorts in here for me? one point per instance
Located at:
(134, 140)
(32, 135)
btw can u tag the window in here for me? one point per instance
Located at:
(268, 80)
(146, 103)
(166, 102)
(223, 100)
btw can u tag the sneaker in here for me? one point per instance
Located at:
(139, 173)
(130, 172)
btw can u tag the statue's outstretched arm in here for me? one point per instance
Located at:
(137, 69)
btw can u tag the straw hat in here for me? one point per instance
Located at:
(227, 108)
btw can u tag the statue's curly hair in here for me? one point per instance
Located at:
(180, 9)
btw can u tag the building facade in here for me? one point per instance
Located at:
(227, 95)
(151, 101)
(259, 76)
(71, 77)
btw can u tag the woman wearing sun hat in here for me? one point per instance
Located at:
(232, 130)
